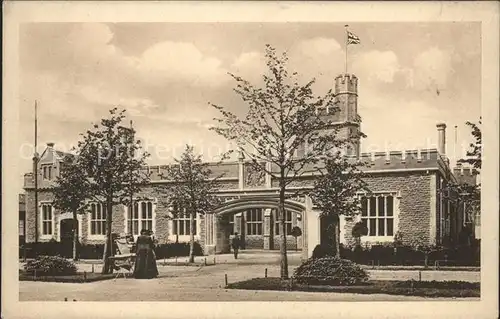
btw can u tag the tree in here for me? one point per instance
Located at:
(283, 118)
(192, 190)
(463, 192)
(71, 193)
(475, 152)
(109, 156)
(335, 193)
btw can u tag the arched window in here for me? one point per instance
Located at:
(141, 217)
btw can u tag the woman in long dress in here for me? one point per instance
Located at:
(145, 263)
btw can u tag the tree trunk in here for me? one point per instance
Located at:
(283, 255)
(107, 269)
(337, 236)
(191, 237)
(75, 236)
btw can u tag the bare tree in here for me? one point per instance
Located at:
(283, 119)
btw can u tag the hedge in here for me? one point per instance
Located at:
(384, 255)
(96, 251)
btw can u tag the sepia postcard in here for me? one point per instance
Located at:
(250, 159)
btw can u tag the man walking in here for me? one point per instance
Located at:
(235, 244)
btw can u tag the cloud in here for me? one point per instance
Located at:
(174, 61)
(250, 66)
(376, 66)
(319, 46)
(431, 69)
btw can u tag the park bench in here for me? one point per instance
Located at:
(123, 261)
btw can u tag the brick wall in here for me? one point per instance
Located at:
(414, 211)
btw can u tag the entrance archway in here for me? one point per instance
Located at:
(218, 225)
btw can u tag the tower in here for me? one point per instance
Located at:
(346, 96)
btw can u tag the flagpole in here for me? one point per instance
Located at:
(131, 179)
(346, 44)
(35, 172)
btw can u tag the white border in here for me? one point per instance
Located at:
(486, 12)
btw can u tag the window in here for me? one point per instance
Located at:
(254, 221)
(288, 222)
(98, 219)
(140, 217)
(47, 216)
(231, 223)
(181, 223)
(22, 217)
(377, 214)
(47, 171)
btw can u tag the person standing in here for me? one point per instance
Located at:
(236, 244)
(145, 263)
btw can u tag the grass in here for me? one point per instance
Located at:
(422, 268)
(459, 289)
(79, 277)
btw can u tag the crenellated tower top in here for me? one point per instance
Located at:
(346, 83)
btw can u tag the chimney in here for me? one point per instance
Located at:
(50, 145)
(441, 127)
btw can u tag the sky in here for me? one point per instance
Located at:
(411, 77)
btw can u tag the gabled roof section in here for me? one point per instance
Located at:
(51, 155)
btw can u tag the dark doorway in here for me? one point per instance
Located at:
(67, 233)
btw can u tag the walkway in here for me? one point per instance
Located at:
(188, 283)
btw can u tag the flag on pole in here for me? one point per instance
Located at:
(352, 38)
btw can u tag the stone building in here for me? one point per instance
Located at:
(406, 197)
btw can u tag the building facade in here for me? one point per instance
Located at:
(406, 198)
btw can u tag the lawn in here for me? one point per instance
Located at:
(79, 277)
(458, 289)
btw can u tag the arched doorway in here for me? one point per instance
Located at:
(66, 236)
(255, 220)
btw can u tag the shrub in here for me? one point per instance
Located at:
(91, 251)
(321, 251)
(176, 250)
(330, 271)
(50, 265)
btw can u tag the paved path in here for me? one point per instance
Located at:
(188, 283)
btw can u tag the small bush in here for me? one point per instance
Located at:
(50, 265)
(330, 271)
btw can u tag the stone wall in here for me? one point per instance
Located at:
(290, 242)
(254, 242)
(413, 205)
